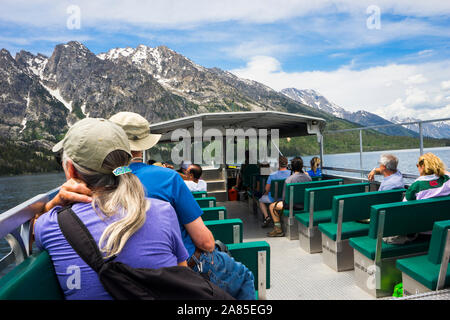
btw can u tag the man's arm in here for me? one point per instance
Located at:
(372, 173)
(200, 235)
(70, 192)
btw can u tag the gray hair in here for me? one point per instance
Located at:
(389, 161)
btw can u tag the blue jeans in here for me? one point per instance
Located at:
(227, 274)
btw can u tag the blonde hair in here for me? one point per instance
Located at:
(123, 195)
(431, 164)
(315, 164)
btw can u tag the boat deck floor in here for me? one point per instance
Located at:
(295, 274)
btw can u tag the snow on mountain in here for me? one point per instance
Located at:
(439, 129)
(314, 99)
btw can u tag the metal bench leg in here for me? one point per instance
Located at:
(262, 281)
(444, 263)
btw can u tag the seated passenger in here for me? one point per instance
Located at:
(194, 173)
(168, 165)
(183, 169)
(393, 178)
(315, 168)
(433, 182)
(266, 198)
(297, 175)
(167, 185)
(141, 232)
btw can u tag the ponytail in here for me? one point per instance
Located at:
(121, 196)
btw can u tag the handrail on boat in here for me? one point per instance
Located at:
(405, 175)
(420, 124)
(15, 227)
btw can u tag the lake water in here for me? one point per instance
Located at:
(17, 189)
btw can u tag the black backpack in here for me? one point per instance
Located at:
(123, 282)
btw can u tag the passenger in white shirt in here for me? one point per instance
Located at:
(194, 183)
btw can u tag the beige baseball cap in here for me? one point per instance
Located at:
(90, 140)
(137, 129)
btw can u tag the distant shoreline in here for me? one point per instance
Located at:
(30, 173)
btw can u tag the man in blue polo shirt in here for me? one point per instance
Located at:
(267, 199)
(166, 184)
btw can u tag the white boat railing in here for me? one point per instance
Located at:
(15, 228)
(361, 129)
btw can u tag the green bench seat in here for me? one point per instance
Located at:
(230, 232)
(295, 197)
(200, 194)
(320, 200)
(349, 230)
(214, 213)
(227, 231)
(295, 192)
(276, 189)
(247, 254)
(207, 202)
(367, 246)
(356, 207)
(33, 279)
(318, 205)
(347, 210)
(425, 269)
(388, 220)
(319, 217)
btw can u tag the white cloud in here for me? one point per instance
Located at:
(389, 90)
(184, 13)
(425, 52)
(247, 49)
(445, 85)
(416, 79)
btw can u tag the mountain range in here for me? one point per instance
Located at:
(314, 99)
(40, 97)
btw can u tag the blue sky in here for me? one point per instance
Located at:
(329, 46)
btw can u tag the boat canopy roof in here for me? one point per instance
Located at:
(288, 124)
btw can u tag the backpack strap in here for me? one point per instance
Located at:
(79, 237)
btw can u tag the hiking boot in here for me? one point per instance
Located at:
(266, 222)
(276, 232)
